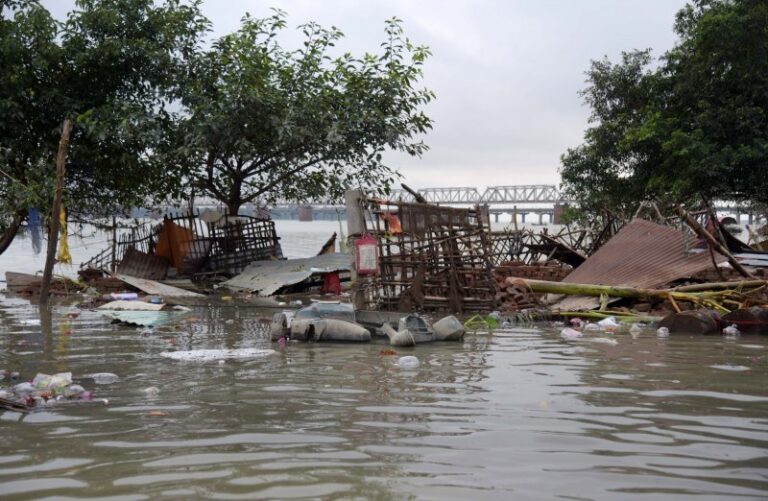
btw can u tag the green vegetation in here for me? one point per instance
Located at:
(111, 67)
(157, 115)
(692, 129)
(268, 122)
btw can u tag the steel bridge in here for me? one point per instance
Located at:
(521, 194)
(533, 199)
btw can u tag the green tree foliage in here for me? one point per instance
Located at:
(112, 66)
(264, 122)
(693, 129)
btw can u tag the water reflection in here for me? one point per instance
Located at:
(517, 415)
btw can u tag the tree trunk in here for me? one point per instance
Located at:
(234, 207)
(53, 234)
(10, 233)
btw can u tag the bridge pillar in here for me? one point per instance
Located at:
(558, 213)
(541, 218)
(495, 217)
(522, 217)
(305, 213)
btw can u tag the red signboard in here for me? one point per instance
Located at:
(366, 255)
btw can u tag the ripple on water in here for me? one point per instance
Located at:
(515, 415)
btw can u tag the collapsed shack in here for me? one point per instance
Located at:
(655, 271)
(526, 247)
(193, 245)
(643, 255)
(430, 258)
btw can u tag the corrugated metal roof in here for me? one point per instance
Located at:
(156, 288)
(643, 254)
(267, 277)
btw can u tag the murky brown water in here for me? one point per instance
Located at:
(520, 414)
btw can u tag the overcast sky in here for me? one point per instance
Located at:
(506, 72)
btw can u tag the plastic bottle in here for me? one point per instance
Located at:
(408, 362)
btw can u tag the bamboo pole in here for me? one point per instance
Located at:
(704, 298)
(53, 234)
(743, 284)
(703, 233)
(545, 286)
(416, 195)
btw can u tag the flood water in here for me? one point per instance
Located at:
(517, 414)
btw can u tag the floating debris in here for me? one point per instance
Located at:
(209, 355)
(408, 362)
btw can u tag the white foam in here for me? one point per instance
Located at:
(208, 355)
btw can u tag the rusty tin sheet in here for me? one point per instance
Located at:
(642, 254)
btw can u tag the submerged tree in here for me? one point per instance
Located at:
(693, 129)
(112, 67)
(264, 122)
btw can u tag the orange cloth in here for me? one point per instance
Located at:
(174, 243)
(394, 223)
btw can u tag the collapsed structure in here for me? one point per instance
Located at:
(420, 257)
(190, 245)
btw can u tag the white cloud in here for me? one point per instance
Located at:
(506, 72)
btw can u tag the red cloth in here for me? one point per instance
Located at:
(332, 283)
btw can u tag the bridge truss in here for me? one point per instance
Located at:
(520, 194)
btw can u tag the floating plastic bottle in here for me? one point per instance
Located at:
(408, 362)
(104, 378)
(569, 333)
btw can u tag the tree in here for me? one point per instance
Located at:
(113, 67)
(263, 122)
(694, 129)
(609, 171)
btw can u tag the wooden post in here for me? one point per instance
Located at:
(703, 233)
(416, 195)
(514, 218)
(113, 265)
(53, 233)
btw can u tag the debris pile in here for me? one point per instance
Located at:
(188, 245)
(44, 390)
(515, 295)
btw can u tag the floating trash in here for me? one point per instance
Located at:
(569, 333)
(408, 362)
(608, 324)
(602, 340)
(662, 332)
(151, 391)
(209, 355)
(44, 390)
(104, 378)
(730, 367)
